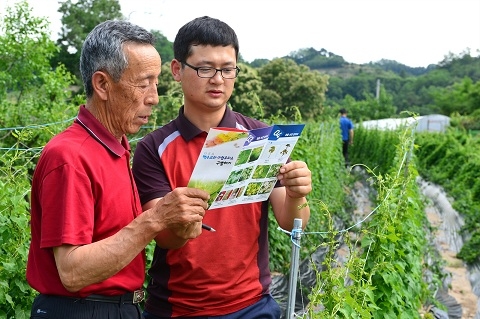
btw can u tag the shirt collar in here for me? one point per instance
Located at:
(100, 133)
(188, 130)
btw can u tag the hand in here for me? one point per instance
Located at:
(182, 211)
(297, 179)
(189, 231)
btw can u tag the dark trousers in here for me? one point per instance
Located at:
(56, 307)
(265, 308)
(345, 151)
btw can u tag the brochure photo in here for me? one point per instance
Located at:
(238, 167)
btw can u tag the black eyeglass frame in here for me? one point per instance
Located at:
(237, 70)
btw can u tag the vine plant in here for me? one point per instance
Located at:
(382, 276)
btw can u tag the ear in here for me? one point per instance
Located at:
(176, 68)
(101, 84)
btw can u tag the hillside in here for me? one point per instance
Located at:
(335, 65)
(415, 89)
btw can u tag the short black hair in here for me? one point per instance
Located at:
(203, 31)
(343, 111)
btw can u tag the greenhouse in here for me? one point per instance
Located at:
(433, 122)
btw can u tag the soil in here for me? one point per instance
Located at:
(460, 287)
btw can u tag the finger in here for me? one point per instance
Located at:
(297, 181)
(296, 173)
(293, 165)
(191, 192)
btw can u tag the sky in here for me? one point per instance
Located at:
(416, 33)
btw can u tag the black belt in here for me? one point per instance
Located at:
(128, 298)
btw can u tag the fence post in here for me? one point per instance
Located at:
(292, 284)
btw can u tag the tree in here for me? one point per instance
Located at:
(78, 19)
(245, 98)
(288, 87)
(24, 48)
(359, 85)
(335, 89)
(462, 98)
(163, 46)
(35, 91)
(317, 59)
(370, 108)
(258, 63)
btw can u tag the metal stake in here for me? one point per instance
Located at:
(292, 284)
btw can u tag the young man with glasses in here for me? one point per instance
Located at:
(223, 273)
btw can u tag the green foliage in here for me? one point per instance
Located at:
(25, 48)
(166, 84)
(318, 59)
(410, 89)
(401, 69)
(78, 19)
(303, 83)
(340, 290)
(245, 98)
(16, 295)
(369, 108)
(163, 46)
(452, 161)
(286, 85)
(462, 65)
(462, 98)
(379, 145)
(32, 92)
(382, 274)
(257, 63)
(395, 240)
(320, 147)
(469, 122)
(281, 89)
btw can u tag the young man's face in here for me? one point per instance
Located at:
(207, 94)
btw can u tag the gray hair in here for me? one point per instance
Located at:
(103, 50)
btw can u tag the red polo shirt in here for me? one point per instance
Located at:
(215, 273)
(82, 192)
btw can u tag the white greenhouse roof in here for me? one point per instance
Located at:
(434, 122)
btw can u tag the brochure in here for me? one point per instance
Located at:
(238, 166)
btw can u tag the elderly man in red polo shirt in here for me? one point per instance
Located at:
(87, 255)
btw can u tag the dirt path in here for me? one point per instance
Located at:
(447, 223)
(460, 287)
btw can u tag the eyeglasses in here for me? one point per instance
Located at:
(204, 72)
